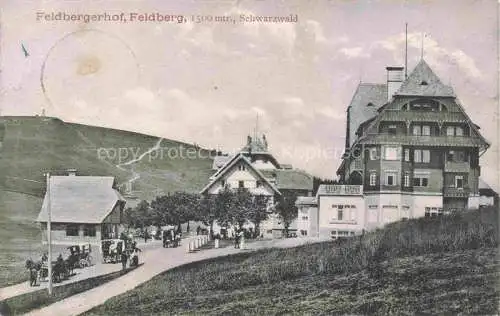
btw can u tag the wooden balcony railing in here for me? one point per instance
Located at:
(465, 141)
(418, 116)
(456, 192)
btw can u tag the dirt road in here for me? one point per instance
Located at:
(155, 261)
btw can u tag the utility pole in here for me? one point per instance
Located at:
(406, 51)
(49, 235)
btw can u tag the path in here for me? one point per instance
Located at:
(80, 274)
(155, 262)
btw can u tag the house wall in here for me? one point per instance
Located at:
(328, 214)
(59, 234)
(249, 178)
(307, 221)
(115, 217)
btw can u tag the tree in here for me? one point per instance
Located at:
(259, 211)
(286, 209)
(242, 207)
(318, 181)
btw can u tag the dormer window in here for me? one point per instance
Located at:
(423, 83)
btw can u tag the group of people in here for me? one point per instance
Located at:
(132, 254)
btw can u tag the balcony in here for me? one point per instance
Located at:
(412, 140)
(456, 192)
(420, 116)
(452, 166)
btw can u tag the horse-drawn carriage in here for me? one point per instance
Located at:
(111, 250)
(80, 256)
(39, 271)
(170, 238)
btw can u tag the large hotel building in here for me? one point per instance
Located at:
(411, 151)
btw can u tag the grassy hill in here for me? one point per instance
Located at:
(31, 146)
(426, 266)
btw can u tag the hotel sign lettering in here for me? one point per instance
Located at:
(343, 189)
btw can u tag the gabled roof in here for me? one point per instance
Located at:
(367, 98)
(422, 81)
(290, 179)
(80, 199)
(229, 165)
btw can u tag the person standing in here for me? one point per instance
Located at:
(146, 236)
(124, 260)
(237, 240)
(242, 239)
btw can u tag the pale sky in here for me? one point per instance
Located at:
(205, 83)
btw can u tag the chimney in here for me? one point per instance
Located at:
(71, 172)
(394, 80)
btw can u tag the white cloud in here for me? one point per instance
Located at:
(433, 52)
(354, 52)
(331, 113)
(317, 30)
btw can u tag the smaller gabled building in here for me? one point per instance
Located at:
(83, 209)
(254, 168)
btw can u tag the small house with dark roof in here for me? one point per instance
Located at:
(83, 209)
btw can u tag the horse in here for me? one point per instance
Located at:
(34, 268)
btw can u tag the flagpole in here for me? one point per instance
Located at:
(49, 235)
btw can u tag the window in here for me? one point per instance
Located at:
(417, 155)
(391, 153)
(392, 130)
(433, 211)
(241, 184)
(373, 154)
(456, 156)
(407, 154)
(390, 178)
(258, 183)
(450, 155)
(407, 180)
(450, 131)
(421, 155)
(71, 230)
(454, 131)
(420, 181)
(426, 156)
(417, 130)
(89, 230)
(305, 218)
(341, 233)
(373, 179)
(426, 130)
(340, 213)
(241, 168)
(459, 182)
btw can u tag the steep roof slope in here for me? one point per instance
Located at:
(423, 82)
(367, 99)
(77, 199)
